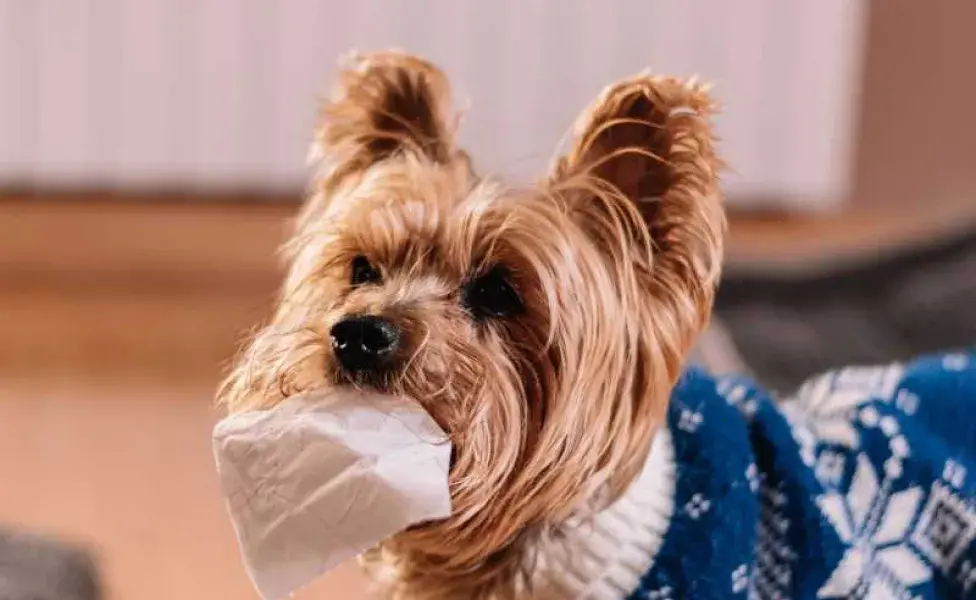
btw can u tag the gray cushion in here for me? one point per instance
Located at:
(35, 568)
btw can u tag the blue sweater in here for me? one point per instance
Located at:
(862, 485)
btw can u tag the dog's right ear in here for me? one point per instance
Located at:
(385, 105)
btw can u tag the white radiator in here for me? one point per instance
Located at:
(222, 93)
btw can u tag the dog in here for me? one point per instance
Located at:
(544, 327)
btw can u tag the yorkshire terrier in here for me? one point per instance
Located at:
(545, 328)
(542, 326)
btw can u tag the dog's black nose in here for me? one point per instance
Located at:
(364, 343)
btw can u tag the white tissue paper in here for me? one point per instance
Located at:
(321, 478)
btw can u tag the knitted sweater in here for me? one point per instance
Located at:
(861, 485)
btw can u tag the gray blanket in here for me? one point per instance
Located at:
(878, 310)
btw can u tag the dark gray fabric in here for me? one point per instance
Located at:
(34, 568)
(885, 309)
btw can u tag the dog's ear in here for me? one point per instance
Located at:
(644, 151)
(385, 105)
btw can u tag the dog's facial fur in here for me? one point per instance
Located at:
(542, 326)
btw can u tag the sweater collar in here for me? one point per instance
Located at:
(603, 556)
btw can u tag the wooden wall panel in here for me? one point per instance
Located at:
(917, 133)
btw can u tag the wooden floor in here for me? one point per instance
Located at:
(115, 322)
(127, 470)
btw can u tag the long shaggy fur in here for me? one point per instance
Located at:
(615, 255)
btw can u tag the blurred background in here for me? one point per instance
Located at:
(152, 152)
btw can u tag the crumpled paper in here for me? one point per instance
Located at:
(321, 478)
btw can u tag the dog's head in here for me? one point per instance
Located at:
(542, 326)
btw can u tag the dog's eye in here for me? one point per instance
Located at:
(363, 272)
(491, 295)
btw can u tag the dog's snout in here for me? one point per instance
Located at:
(364, 343)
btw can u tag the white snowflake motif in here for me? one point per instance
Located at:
(697, 506)
(740, 579)
(689, 420)
(877, 539)
(661, 593)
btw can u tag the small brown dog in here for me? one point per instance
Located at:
(543, 327)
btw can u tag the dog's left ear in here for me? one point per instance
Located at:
(385, 105)
(643, 165)
(641, 181)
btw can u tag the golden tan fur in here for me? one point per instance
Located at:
(615, 255)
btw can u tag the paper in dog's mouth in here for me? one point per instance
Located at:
(323, 477)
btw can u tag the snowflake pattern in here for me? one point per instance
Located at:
(875, 526)
(899, 513)
(885, 557)
(697, 506)
(689, 420)
(873, 521)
